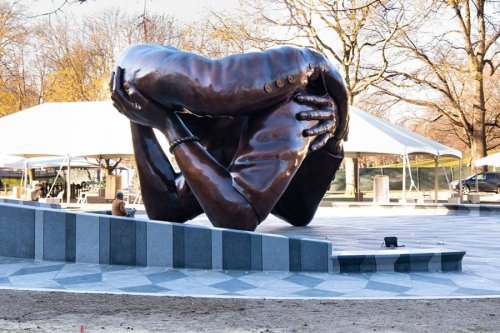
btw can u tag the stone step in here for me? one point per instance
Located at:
(397, 260)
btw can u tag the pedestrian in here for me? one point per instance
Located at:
(118, 207)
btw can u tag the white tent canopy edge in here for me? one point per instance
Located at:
(492, 160)
(370, 135)
(97, 129)
(68, 129)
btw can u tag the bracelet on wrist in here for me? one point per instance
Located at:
(177, 142)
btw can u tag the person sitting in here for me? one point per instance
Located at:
(118, 207)
(37, 193)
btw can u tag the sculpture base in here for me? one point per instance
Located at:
(397, 260)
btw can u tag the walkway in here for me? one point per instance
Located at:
(347, 229)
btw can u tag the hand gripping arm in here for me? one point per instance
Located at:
(301, 199)
(165, 193)
(210, 181)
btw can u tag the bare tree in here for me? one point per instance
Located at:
(57, 8)
(235, 33)
(76, 70)
(17, 89)
(153, 28)
(355, 34)
(447, 65)
(81, 53)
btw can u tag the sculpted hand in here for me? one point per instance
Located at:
(336, 89)
(325, 112)
(135, 106)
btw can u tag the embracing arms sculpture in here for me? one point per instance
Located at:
(252, 134)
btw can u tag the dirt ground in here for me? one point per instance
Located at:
(28, 311)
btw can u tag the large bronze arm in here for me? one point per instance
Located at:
(165, 194)
(266, 172)
(236, 84)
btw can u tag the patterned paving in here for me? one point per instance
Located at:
(347, 229)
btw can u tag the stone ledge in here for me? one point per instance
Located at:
(464, 209)
(398, 260)
(31, 203)
(54, 234)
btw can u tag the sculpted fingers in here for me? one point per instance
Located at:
(115, 96)
(116, 82)
(137, 99)
(327, 114)
(326, 127)
(314, 101)
(121, 100)
(319, 142)
(338, 92)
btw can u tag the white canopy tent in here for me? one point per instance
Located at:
(17, 162)
(11, 162)
(69, 129)
(89, 129)
(492, 160)
(97, 129)
(93, 129)
(370, 135)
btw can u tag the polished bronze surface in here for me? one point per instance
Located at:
(253, 134)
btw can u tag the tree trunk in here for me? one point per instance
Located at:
(99, 172)
(110, 168)
(31, 175)
(478, 142)
(350, 179)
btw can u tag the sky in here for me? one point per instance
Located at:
(183, 10)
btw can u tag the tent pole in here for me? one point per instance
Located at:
(99, 175)
(68, 184)
(477, 181)
(404, 177)
(57, 176)
(24, 180)
(436, 182)
(356, 163)
(460, 196)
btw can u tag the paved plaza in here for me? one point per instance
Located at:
(347, 229)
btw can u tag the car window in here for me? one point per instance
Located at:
(481, 176)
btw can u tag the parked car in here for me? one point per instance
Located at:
(486, 182)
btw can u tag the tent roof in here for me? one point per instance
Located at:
(370, 135)
(11, 162)
(17, 162)
(93, 129)
(493, 160)
(88, 129)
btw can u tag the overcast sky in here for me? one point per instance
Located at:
(184, 10)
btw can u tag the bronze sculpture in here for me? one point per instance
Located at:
(253, 134)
